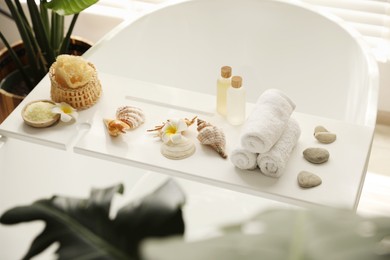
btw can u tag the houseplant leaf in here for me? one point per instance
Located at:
(84, 229)
(40, 31)
(67, 7)
(28, 39)
(286, 234)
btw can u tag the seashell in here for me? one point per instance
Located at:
(177, 151)
(212, 136)
(133, 116)
(115, 127)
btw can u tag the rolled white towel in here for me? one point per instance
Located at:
(267, 121)
(274, 161)
(244, 159)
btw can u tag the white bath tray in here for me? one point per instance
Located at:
(342, 175)
(116, 91)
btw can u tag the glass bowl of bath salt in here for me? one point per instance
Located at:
(38, 113)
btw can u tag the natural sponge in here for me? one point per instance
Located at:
(72, 71)
(74, 81)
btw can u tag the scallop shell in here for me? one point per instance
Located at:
(133, 116)
(177, 151)
(115, 127)
(212, 136)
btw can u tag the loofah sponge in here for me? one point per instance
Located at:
(72, 71)
(74, 81)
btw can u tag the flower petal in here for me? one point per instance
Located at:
(181, 125)
(166, 126)
(65, 117)
(66, 111)
(56, 110)
(165, 138)
(176, 138)
(75, 115)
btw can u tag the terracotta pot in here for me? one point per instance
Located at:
(11, 96)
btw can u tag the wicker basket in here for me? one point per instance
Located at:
(79, 98)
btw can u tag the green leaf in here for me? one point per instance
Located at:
(286, 234)
(44, 17)
(57, 32)
(64, 48)
(25, 34)
(84, 229)
(40, 32)
(67, 7)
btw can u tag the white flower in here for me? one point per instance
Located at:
(172, 130)
(66, 111)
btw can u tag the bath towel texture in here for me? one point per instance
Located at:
(267, 121)
(244, 159)
(268, 136)
(273, 162)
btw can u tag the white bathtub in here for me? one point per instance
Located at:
(323, 66)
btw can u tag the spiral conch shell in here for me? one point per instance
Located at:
(212, 136)
(116, 127)
(127, 118)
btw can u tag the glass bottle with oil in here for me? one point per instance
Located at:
(236, 102)
(223, 83)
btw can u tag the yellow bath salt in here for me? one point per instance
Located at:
(39, 111)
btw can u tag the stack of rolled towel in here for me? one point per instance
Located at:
(268, 135)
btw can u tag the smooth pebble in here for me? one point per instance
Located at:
(316, 155)
(325, 137)
(319, 129)
(308, 179)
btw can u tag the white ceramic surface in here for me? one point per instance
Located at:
(322, 65)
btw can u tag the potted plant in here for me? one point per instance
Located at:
(43, 38)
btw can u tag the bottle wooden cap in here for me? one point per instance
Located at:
(236, 82)
(226, 72)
